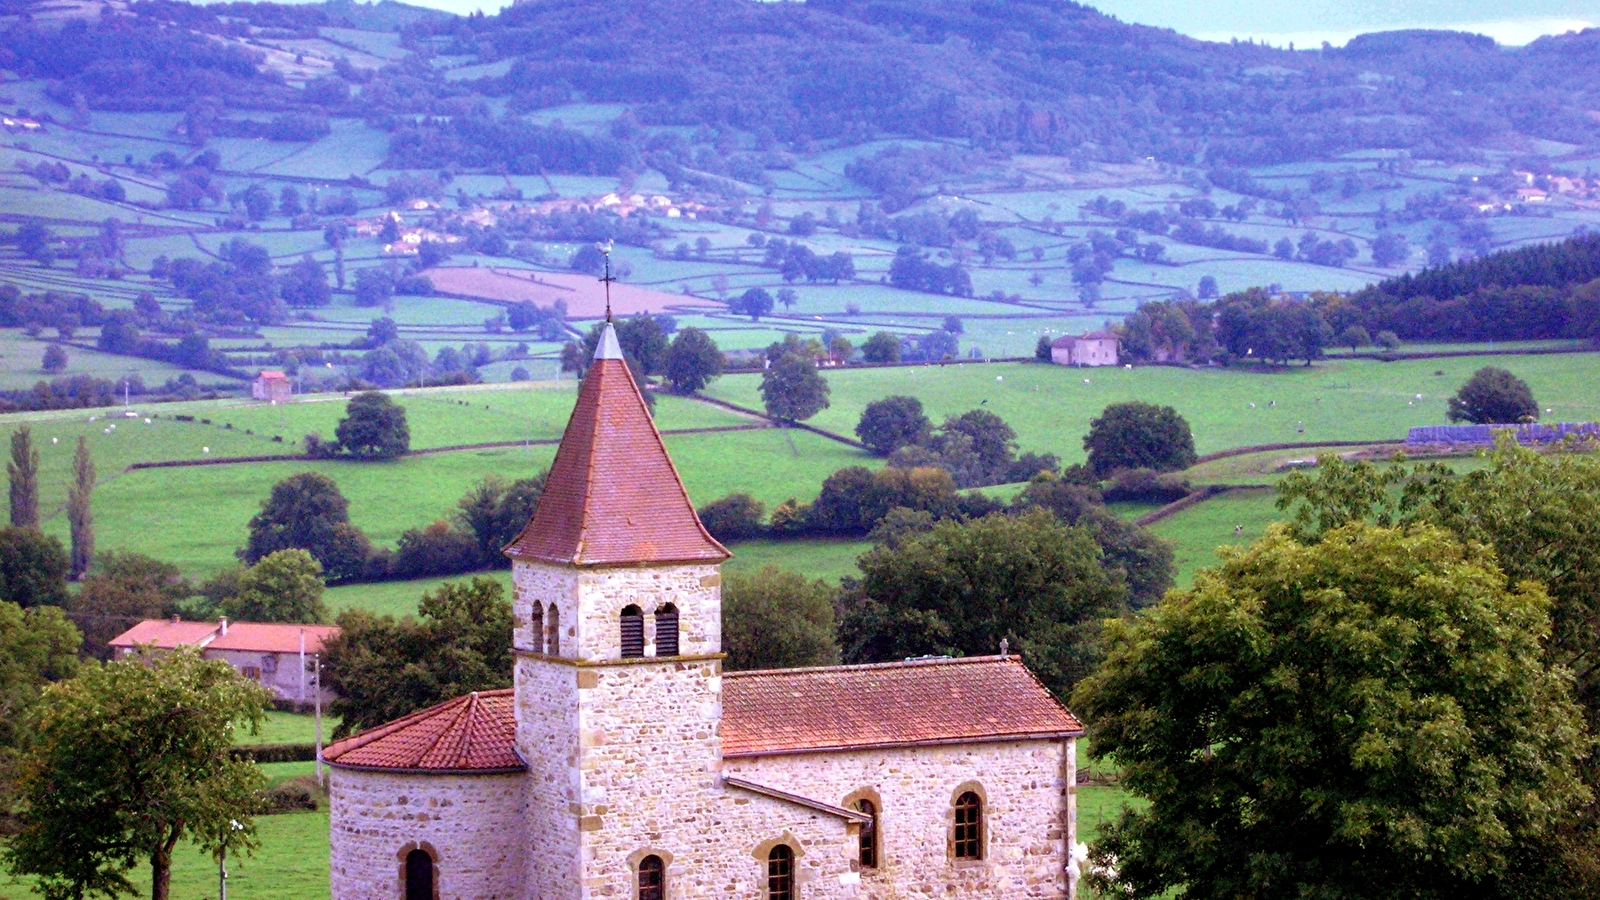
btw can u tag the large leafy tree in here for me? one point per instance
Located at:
(33, 568)
(1493, 396)
(960, 588)
(122, 589)
(374, 427)
(37, 646)
(1139, 435)
(284, 586)
(792, 389)
(383, 668)
(306, 511)
(775, 619)
(1141, 559)
(23, 472)
(1369, 715)
(692, 361)
(131, 758)
(494, 511)
(891, 423)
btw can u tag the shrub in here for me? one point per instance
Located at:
(736, 517)
(1146, 486)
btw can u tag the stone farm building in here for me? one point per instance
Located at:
(271, 385)
(1097, 348)
(278, 656)
(626, 765)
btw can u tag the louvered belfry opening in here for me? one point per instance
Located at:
(667, 630)
(632, 632)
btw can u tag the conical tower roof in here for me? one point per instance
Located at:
(613, 497)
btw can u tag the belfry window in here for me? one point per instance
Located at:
(667, 630)
(969, 826)
(632, 632)
(536, 626)
(552, 632)
(652, 879)
(869, 833)
(780, 873)
(419, 875)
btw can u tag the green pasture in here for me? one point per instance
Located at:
(21, 356)
(399, 598)
(829, 560)
(1050, 406)
(1196, 533)
(287, 728)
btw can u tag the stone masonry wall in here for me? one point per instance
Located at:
(472, 824)
(1026, 813)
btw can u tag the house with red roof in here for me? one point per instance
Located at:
(626, 764)
(280, 657)
(271, 385)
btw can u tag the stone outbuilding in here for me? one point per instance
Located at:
(278, 656)
(626, 765)
(271, 385)
(1096, 348)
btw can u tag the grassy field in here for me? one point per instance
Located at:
(1196, 532)
(288, 728)
(1050, 406)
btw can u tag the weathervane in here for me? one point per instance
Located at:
(605, 249)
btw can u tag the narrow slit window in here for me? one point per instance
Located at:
(632, 632)
(552, 632)
(869, 833)
(780, 873)
(969, 826)
(536, 626)
(652, 878)
(667, 630)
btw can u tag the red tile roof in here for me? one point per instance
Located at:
(165, 634)
(613, 496)
(891, 704)
(259, 637)
(472, 734)
(272, 375)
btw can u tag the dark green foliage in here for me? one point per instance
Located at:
(1493, 396)
(1377, 701)
(33, 568)
(961, 588)
(54, 360)
(1139, 435)
(1138, 558)
(80, 517)
(23, 473)
(374, 427)
(383, 668)
(495, 511)
(736, 517)
(37, 646)
(775, 619)
(882, 347)
(754, 303)
(307, 511)
(1041, 350)
(285, 586)
(891, 423)
(692, 361)
(120, 591)
(305, 284)
(1254, 325)
(434, 550)
(1146, 486)
(792, 390)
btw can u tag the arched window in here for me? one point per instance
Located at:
(632, 632)
(419, 875)
(667, 630)
(780, 873)
(969, 826)
(552, 632)
(652, 878)
(869, 833)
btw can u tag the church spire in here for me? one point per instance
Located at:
(613, 497)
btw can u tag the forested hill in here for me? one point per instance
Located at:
(1030, 75)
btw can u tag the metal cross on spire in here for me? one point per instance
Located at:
(605, 249)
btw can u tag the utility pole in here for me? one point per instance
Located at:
(316, 662)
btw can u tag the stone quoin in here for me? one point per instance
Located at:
(626, 765)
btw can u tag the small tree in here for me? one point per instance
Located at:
(131, 759)
(1493, 396)
(891, 423)
(1042, 350)
(882, 347)
(755, 303)
(374, 427)
(54, 360)
(307, 511)
(1355, 337)
(792, 389)
(1139, 436)
(80, 519)
(1376, 701)
(285, 586)
(775, 619)
(23, 470)
(1386, 339)
(121, 590)
(736, 517)
(33, 568)
(692, 361)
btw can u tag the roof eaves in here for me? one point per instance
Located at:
(1055, 735)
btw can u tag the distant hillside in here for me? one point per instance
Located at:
(1029, 75)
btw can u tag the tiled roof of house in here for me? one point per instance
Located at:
(261, 637)
(166, 634)
(892, 704)
(471, 734)
(613, 496)
(272, 375)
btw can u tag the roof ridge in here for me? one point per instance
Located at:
(899, 664)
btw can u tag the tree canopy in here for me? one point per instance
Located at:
(792, 389)
(891, 423)
(1365, 716)
(1139, 435)
(775, 619)
(33, 568)
(1493, 396)
(374, 427)
(692, 361)
(283, 586)
(306, 511)
(121, 590)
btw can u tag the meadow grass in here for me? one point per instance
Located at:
(829, 560)
(287, 728)
(1050, 406)
(1196, 532)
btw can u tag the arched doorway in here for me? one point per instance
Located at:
(419, 875)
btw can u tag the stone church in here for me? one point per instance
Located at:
(626, 765)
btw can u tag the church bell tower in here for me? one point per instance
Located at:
(618, 611)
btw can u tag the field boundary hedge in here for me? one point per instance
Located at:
(274, 753)
(832, 436)
(1295, 445)
(1203, 493)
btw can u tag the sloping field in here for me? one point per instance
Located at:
(584, 294)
